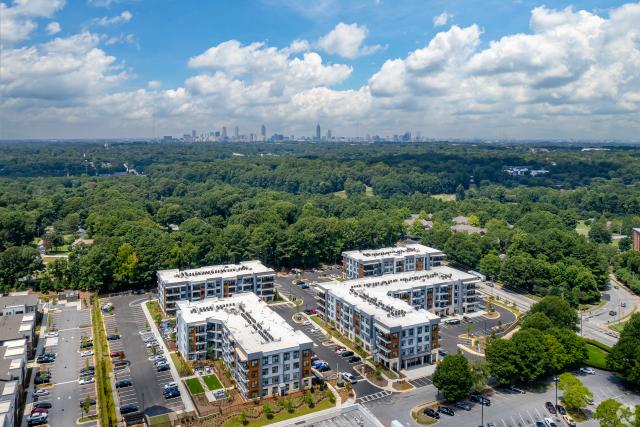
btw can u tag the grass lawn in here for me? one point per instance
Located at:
(282, 416)
(89, 418)
(194, 386)
(183, 367)
(106, 404)
(160, 420)
(212, 382)
(155, 311)
(445, 197)
(597, 357)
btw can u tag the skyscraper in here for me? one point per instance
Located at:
(318, 132)
(236, 132)
(263, 132)
(224, 132)
(329, 134)
(193, 134)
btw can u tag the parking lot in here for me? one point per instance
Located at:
(129, 322)
(66, 394)
(507, 409)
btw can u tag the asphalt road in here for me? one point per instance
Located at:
(146, 393)
(507, 409)
(66, 393)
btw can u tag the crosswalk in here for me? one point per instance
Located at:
(420, 382)
(373, 396)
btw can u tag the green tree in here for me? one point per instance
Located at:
(354, 187)
(452, 377)
(267, 411)
(538, 321)
(501, 360)
(576, 396)
(611, 413)
(625, 354)
(557, 310)
(463, 248)
(530, 359)
(242, 417)
(126, 264)
(599, 232)
(460, 194)
(479, 371)
(490, 265)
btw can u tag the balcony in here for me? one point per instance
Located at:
(383, 338)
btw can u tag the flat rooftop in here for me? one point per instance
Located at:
(373, 295)
(18, 299)
(393, 252)
(202, 274)
(254, 326)
(11, 327)
(347, 416)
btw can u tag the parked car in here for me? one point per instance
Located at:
(354, 359)
(171, 393)
(452, 322)
(324, 368)
(349, 377)
(549, 422)
(431, 413)
(540, 424)
(52, 334)
(480, 399)
(40, 393)
(463, 405)
(116, 354)
(318, 363)
(45, 405)
(491, 424)
(151, 344)
(170, 385)
(88, 371)
(567, 419)
(516, 389)
(91, 402)
(45, 359)
(41, 380)
(86, 353)
(39, 411)
(446, 410)
(87, 344)
(128, 408)
(561, 409)
(587, 370)
(113, 337)
(37, 419)
(86, 380)
(345, 354)
(163, 367)
(123, 383)
(551, 408)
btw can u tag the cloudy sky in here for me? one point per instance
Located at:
(447, 69)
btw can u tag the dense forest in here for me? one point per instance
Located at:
(148, 206)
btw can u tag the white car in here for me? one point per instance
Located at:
(151, 344)
(170, 385)
(39, 417)
(306, 323)
(86, 380)
(52, 334)
(86, 353)
(587, 370)
(349, 377)
(549, 422)
(40, 393)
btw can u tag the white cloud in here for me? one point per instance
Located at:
(442, 19)
(573, 74)
(53, 28)
(347, 40)
(124, 17)
(17, 21)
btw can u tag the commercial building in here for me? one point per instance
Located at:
(635, 239)
(214, 281)
(18, 303)
(396, 317)
(264, 354)
(399, 259)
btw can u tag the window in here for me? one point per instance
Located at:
(265, 372)
(286, 356)
(305, 363)
(265, 360)
(275, 358)
(296, 354)
(254, 362)
(274, 370)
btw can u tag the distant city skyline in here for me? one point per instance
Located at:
(495, 70)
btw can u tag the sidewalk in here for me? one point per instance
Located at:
(184, 393)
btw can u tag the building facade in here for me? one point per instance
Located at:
(264, 354)
(214, 281)
(18, 303)
(400, 259)
(396, 317)
(635, 239)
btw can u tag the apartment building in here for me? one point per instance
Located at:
(399, 259)
(396, 317)
(18, 327)
(264, 354)
(214, 281)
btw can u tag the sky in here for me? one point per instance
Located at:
(494, 69)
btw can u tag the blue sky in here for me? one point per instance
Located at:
(383, 65)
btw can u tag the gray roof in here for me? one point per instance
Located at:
(10, 328)
(13, 300)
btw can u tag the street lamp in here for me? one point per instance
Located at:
(555, 380)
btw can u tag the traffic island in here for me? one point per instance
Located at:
(418, 415)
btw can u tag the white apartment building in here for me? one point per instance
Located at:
(214, 281)
(265, 355)
(396, 317)
(399, 259)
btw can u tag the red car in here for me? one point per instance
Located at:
(551, 408)
(115, 353)
(39, 410)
